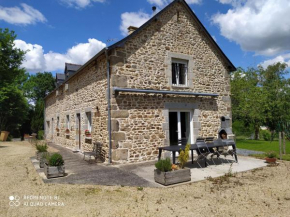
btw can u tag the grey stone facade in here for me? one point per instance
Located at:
(140, 122)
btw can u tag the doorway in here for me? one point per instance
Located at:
(79, 129)
(52, 130)
(180, 127)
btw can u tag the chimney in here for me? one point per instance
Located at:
(154, 10)
(131, 29)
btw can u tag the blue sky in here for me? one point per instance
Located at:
(250, 32)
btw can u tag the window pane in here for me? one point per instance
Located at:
(182, 74)
(174, 73)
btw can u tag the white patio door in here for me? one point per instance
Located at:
(180, 127)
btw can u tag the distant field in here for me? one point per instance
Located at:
(265, 146)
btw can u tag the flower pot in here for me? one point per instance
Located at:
(270, 160)
(54, 172)
(4, 135)
(172, 177)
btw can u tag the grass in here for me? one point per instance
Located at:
(264, 146)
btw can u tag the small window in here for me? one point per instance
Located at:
(57, 123)
(67, 122)
(47, 126)
(179, 72)
(89, 120)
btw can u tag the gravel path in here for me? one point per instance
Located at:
(246, 152)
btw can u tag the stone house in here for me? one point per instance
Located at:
(167, 80)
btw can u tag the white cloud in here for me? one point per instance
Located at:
(257, 25)
(232, 2)
(80, 3)
(132, 19)
(23, 16)
(38, 61)
(285, 58)
(162, 3)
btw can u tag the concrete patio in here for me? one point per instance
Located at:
(138, 174)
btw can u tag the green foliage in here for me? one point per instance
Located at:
(55, 160)
(40, 135)
(240, 128)
(37, 120)
(183, 156)
(41, 148)
(164, 165)
(271, 154)
(38, 86)
(265, 134)
(10, 60)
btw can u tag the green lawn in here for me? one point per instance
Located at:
(265, 146)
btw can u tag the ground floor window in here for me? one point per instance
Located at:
(89, 121)
(180, 127)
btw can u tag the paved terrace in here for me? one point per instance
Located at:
(138, 174)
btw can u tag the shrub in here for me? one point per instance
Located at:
(164, 165)
(40, 134)
(183, 156)
(41, 148)
(266, 135)
(271, 154)
(55, 160)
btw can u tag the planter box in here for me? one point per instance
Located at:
(270, 160)
(39, 154)
(54, 172)
(4, 135)
(172, 177)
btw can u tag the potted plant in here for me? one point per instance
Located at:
(54, 166)
(271, 157)
(87, 133)
(43, 159)
(41, 148)
(67, 131)
(167, 173)
(57, 129)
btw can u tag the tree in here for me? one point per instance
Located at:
(38, 86)
(277, 89)
(13, 105)
(248, 98)
(10, 59)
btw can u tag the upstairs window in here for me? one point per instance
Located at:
(179, 72)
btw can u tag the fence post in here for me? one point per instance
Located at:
(280, 145)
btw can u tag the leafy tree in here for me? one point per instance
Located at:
(277, 89)
(37, 120)
(248, 98)
(10, 59)
(38, 86)
(13, 105)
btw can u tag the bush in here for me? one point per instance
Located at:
(164, 165)
(41, 148)
(40, 134)
(271, 154)
(266, 135)
(183, 156)
(55, 160)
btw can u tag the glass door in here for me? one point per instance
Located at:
(180, 127)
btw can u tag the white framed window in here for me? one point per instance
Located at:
(89, 121)
(179, 70)
(67, 122)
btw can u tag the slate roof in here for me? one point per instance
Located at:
(72, 67)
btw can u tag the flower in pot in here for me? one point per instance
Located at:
(87, 133)
(42, 148)
(67, 131)
(54, 166)
(167, 173)
(183, 156)
(271, 157)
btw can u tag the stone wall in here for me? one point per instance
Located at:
(86, 93)
(144, 62)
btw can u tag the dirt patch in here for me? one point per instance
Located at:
(260, 192)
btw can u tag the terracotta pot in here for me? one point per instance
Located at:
(4, 135)
(270, 160)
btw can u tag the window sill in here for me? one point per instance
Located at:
(179, 87)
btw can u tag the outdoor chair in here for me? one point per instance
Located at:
(220, 150)
(203, 152)
(96, 153)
